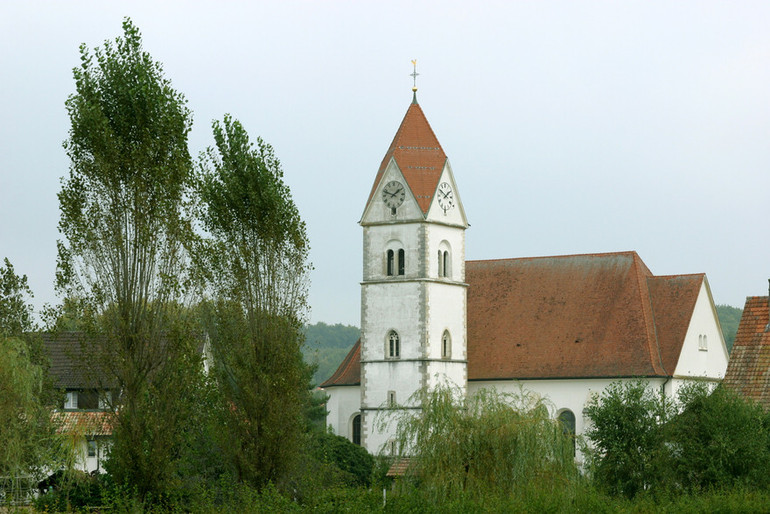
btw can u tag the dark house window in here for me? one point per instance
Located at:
(390, 263)
(88, 399)
(357, 429)
(567, 419)
(401, 260)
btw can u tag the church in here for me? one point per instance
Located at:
(564, 327)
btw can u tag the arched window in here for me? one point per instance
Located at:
(357, 429)
(401, 261)
(446, 345)
(444, 260)
(567, 419)
(390, 263)
(445, 263)
(394, 345)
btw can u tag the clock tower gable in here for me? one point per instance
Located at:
(418, 155)
(446, 206)
(392, 199)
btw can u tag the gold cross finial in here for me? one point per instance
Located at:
(414, 75)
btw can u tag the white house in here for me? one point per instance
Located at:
(564, 327)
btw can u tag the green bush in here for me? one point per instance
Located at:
(720, 440)
(348, 457)
(626, 437)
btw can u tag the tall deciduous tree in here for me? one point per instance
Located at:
(15, 312)
(29, 444)
(256, 260)
(124, 221)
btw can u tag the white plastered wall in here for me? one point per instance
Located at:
(343, 403)
(572, 394)
(694, 363)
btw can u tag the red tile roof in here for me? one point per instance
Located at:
(748, 371)
(84, 422)
(574, 316)
(349, 372)
(673, 301)
(418, 155)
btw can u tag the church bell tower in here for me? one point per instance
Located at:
(413, 293)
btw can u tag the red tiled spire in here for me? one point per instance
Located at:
(418, 155)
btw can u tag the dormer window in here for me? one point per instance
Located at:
(71, 402)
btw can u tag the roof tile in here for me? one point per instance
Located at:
(418, 155)
(748, 371)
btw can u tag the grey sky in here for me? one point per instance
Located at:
(572, 127)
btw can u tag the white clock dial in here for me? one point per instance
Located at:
(446, 197)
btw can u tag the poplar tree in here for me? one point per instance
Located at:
(125, 226)
(256, 262)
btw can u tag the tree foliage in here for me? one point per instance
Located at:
(489, 442)
(705, 440)
(326, 346)
(720, 440)
(729, 318)
(29, 443)
(255, 263)
(625, 430)
(124, 221)
(15, 311)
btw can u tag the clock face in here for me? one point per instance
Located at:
(446, 197)
(393, 194)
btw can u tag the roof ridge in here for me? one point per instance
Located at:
(343, 367)
(680, 275)
(648, 313)
(601, 254)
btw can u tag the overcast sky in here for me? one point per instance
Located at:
(571, 127)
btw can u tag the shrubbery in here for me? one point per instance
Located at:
(706, 441)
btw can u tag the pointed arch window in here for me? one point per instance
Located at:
(567, 419)
(446, 345)
(356, 429)
(394, 345)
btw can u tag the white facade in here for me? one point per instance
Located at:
(413, 326)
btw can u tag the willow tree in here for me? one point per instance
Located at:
(487, 443)
(29, 443)
(124, 221)
(256, 262)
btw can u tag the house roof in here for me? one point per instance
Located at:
(349, 371)
(418, 155)
(69, 355)
(84, 422)
(72, 356)
(574, 316)
(748, 371)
